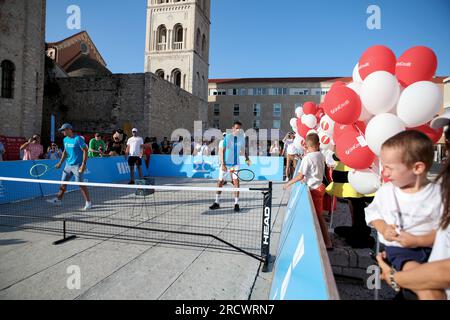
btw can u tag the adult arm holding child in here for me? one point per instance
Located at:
(433, 275)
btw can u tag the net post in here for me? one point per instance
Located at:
(265, 231)
(64, 239)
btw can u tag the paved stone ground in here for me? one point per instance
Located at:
(131, 265)
(350, 266)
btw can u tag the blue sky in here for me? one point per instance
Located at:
(269, 38)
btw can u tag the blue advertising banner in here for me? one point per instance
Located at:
(265, 168)
(300, 270)
(102, 170)
(116, 169)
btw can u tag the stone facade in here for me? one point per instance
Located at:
(177, 43)
(22, 39)
(102, 104)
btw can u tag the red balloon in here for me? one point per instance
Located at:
(337, 84)
(319, 114)
(416, 64)
(343, 105)
(299, 124)
(309, 108)
(350, 152)
(377, 58)
(302, 129)
(434, 135)
(340, 129)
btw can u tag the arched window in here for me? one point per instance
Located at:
(204, 45)
(160, 73)
(176, 77)
(197, 39)
(162, 37)
(7, 79)
(178, 37)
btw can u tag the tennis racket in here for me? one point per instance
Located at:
(40, 169)
(245, 175)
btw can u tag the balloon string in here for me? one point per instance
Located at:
(357, 128)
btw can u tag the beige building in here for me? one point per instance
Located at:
(262, 103)
(268, 103)
(177, 43)
(447, 93)
(22, 53)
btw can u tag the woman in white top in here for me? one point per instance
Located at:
(292, 154)
(275, 149)
(434, 275)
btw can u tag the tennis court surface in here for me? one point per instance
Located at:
(140, 242)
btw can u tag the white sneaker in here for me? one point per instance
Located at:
(88, 206)
(55, 201)
(286, 180)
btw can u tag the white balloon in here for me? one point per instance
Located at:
(355, 86)
(380, 92)
(364, 181)
(309, 120)
(299, 112)
(380, 128)
(298, 142)
(356, 75)
(365, 115)
(325, 141)
(311, 132)
(326, 147)
(293, 123)
(327, 125)
(419, 103)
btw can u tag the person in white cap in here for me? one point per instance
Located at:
(134, 153)
(442, 122)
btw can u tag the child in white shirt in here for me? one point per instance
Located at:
(311, 171)
(406, 210)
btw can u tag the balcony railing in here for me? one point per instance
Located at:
(161, 47)
(177, 45)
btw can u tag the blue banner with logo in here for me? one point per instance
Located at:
(265, 168)
(299, 270)
(116, 169)
(101, 170)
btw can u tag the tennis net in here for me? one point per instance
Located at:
(159, 214)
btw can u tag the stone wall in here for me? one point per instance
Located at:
(102, 104)
(22, 31)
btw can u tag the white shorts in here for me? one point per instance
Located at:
(223, 174)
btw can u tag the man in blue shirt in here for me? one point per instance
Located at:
(76, 153)
(234, 145)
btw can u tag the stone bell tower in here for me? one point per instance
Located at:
(177, 43)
